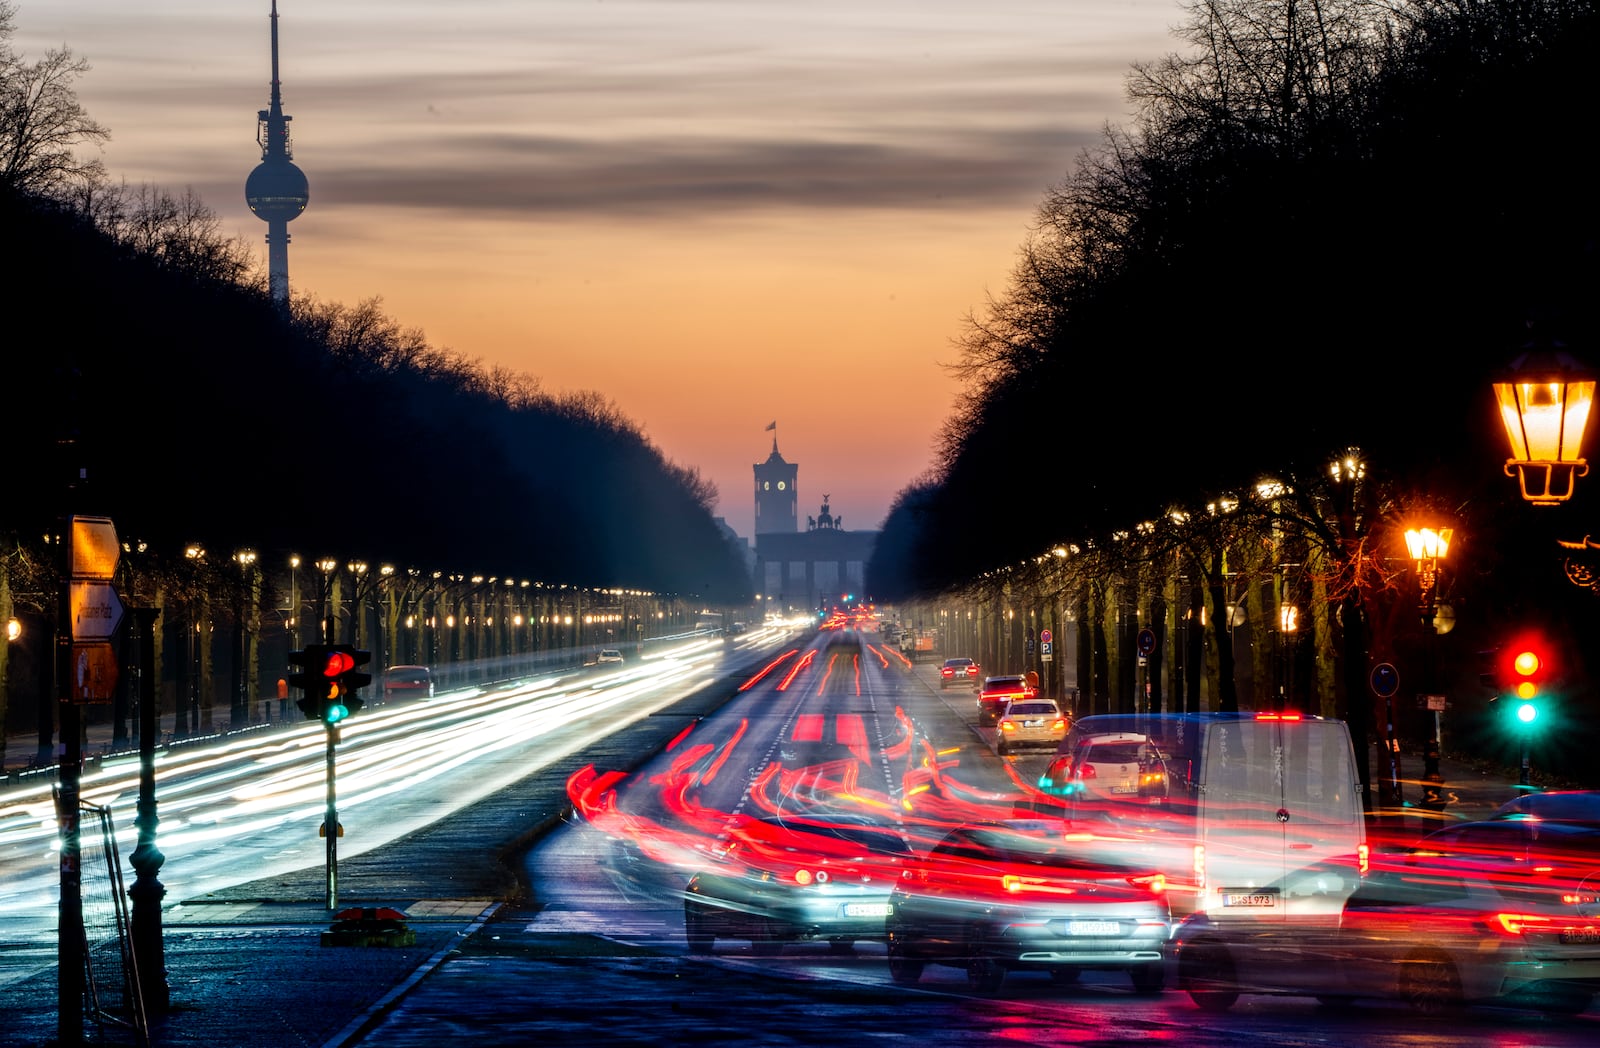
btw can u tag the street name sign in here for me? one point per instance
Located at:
(96, 610)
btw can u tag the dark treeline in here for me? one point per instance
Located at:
(1330, 223)
(198, 412)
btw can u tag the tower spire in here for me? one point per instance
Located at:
(277, 190)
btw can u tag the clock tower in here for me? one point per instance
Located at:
(777, 509)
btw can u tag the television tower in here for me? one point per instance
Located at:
(276, 190)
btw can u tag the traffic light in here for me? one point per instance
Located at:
(329, 677)
(354, 678)
(1526, 670)
(310, 680)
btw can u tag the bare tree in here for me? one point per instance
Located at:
(42, 123)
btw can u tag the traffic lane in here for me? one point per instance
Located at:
(521, 982)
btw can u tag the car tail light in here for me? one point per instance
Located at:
(1007, 726)
(1155, 882)
(1363, 860)
(1013, 883)
(1059, 725)
(1277, 716)
(1518, 923)
(1086, 772)
(802, 876)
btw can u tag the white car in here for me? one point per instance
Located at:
(608, 655)
(1113, 764)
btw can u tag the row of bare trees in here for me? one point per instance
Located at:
(1329, 224)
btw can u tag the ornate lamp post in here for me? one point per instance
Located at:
(1544, 405)
(243, 612)
(1428, 547)
(325, 617)
(189, 695)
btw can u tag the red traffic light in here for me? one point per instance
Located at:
(1526, 666)
(339, 662)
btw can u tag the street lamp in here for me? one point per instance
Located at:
(1428, 547)
(1544, 405)
(246, 559)
(325, 619)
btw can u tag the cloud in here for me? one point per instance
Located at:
(660, 177)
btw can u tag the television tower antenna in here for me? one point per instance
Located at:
(277, 190)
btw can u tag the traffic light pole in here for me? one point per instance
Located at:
(330, 822)
(69, 922)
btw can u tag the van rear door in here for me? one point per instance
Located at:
(1281, 817)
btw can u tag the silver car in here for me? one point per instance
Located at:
(1027, 894)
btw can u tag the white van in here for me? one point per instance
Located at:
(1252, 816)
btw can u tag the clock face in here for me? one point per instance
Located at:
(781, 485)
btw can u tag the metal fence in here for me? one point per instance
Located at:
(112, 995)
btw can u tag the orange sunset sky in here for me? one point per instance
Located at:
(717, 213)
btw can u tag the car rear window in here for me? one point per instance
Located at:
(1032, 709)
(1114, 753)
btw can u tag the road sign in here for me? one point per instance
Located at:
(1433, 702)
(1147, 642)
(1045, 637)
(1046, 648)
(94, 548)
(94, 673)
(1385, 680)
(96, 611)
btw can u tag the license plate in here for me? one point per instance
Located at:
(1124, 789)
(1033, 724)
(1585, 935)
(1257, 899)
(867, 909)
(1093, 928)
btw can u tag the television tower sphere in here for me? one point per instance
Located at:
(277, 190)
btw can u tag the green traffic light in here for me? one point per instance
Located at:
(1527, 712)
(334, 713)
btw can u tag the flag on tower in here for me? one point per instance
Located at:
(771, 426)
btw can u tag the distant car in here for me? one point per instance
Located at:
(797, 878)
(402, 681)
(999, 692)
(1027, 894)
(1030, 722)
(1555, 806)
(958, 671)
(608, 655)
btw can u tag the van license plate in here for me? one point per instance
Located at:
(1257, 899)
(1586, 935)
